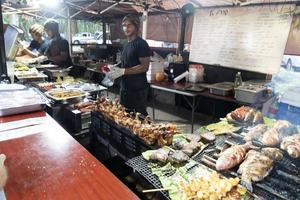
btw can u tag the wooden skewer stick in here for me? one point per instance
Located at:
(201, 150)
(209, 158)
(180, 125)
(156, 190)
(230, 143)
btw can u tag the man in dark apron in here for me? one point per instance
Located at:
(134, 65)
(58, 51)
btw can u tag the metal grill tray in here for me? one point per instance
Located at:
(284, 187)
(140, 165)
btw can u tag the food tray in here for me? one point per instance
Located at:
(249, 93)
(87, 87)
(128, 144)
(46, 66)
(11, 104)
(50, 94)
(222, 89)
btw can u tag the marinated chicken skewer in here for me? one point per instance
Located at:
(148, 131)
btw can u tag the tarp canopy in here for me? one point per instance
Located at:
(164, 15)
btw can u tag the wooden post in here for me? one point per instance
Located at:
(145, 22)
(3, 67)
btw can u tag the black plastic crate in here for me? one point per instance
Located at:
(100, 125)
(122, 139)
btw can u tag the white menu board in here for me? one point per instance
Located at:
(248, 38)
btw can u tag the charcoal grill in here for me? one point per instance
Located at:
(140, 165)
(282, 183)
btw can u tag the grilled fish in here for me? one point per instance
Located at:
(178, 157)
(271, 137)
(273, 153)
(256, 132)
(191, 148)
(255, 168)
(232, 156)
(160, 155)
(292, 145)
(285, 128)
(280, 130)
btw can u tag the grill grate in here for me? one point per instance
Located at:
(276, 185)
(140, 165)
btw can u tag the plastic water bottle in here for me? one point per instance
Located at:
(238, 80)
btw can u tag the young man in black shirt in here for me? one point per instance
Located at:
(58, 51)
(134, 65)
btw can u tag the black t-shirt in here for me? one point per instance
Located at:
(131, 53)
(56, 46)
(40, 47)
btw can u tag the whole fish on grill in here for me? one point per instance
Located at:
(191, 148)
(178, 157)
(280, 130)
(160, 155)
(255, 168)
(273, 153)
(256, 132)
(193, 137)
(291, 144)
(245, 115)
(232, 156)
(271, 137)
(285, 128)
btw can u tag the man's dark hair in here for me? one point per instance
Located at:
(133, 19)
(52, 25)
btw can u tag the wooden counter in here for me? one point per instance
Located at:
(52, 165)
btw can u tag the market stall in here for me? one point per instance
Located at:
(220, 58)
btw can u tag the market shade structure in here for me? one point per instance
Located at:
(108, 9)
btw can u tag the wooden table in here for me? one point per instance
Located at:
(52, 165)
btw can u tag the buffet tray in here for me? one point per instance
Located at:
(222, 89)
(80, 96)
(46, 66)
(16, 108)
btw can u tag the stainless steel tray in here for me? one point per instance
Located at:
(223, 89)
(23, 108)
(66, 100)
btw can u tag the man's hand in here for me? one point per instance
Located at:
(115, 72)
(41, 59)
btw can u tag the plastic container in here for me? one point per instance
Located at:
(123, 140)
(289, 113)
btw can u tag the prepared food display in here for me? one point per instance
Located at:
(62, 94)
(21, 67)
(45, 86)
(259, 157)
(86, 106)
(151, 133)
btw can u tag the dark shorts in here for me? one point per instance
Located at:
(135, 100)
